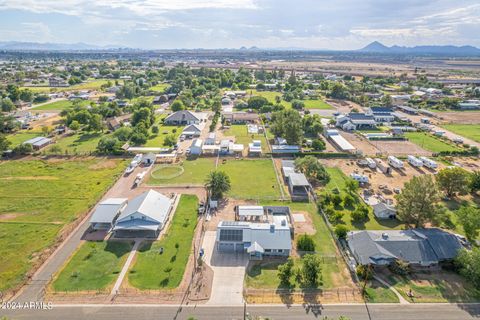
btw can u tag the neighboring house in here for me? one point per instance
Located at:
(210, 140)
(103, 218)
(192, 130)
(258, 239)
(144, 216)
(417, 247)
(240, 117)
(298, 185)
(185, 117)
(229, 147)
(116, 122)
(407, 109)
(469, 105)
(57, 82)
(356, 121)
(160, 99)
(384, 211)
(255, 148)
(39, 142)
(381, 114)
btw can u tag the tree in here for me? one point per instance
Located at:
(387, 100)
(24, 148)
(123, 133)
(469, 218)
(7, 105)
(170, 140)
(348, 200)
(360, 214)
(256, 102)
(298, 104)
(177, 105)
(285, 271)
(351, 185)
(108, 145)
(475, 181)
(46, 130)
(453, 180)
(26, 95)
(288, 125)
(341, 231)
(95, 123)
(318, 145)
(414, 209)
(311, 271)
(468, 263)
(217, 183)
(312, 169)
(74, 125)
(4, 143)
(305, 243)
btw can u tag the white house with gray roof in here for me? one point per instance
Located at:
(185, 117)
(145, 215)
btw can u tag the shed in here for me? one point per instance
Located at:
(106, 212)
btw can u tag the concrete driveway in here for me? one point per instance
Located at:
(229, 273)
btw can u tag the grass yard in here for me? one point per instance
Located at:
(60, 105)
(153, 270)
(270, 96)
(337, 181)
(430, 143)
(89, 85)
(39, 89)
(471, 131)
(22, 136)
(37, 199)
(158, 140)
(79, 143)
(195, 173)
(95, 266)
(375, 292)
(243, 137)
(251, 179)
(317, 104)
(160, 87)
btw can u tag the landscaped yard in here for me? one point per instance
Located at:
(95, 266)
(153, 270)
(430, 143)
(471, 131)
(37, 199)
(195, 172)
(251, 179)
(375, 292)
(81, 143)
(243, 137)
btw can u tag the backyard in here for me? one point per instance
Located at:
(243, 137)
(471, 131)
(59, 105)
(194, 173)
(39, 198)
(78, 143)
(430, 143)
(155, 270)
(94, 266)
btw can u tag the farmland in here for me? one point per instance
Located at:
(78, 143)
(59, 105)
(156, 271)
(39, 198)
(471, 131)
(430, 143)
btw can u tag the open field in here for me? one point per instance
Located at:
(316, 104)
(95, 266)
(160, 87)
(309, 103)
(251, 179)
(60, 105)
(158, 140)
(460, 117)
(39, 198)
(22, 136)
(153, 270)
(242, 136)
(400, 148)
(195, 173)
(471, 131)
(81, 143)
(89, 85)
(430, 143)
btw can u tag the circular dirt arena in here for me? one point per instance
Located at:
(167, 172)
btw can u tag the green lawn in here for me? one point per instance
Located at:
(60, 105)
(337, 181)
(316, 104)
(195, 173)
(88, 85)
(158, 140)
(153, 270)
(243, 137)
(251, 179)
(37, 199)
(95, 266)
(81, 143)
(471, 131)
(309, 103)
(430, 143)
(160, 87)
(375, 292)
(22, 136)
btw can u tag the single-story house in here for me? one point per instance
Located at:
(210, 140)
(39, 142)
(384, 211)
(381, 114)
(160, 99)
(417, 247)
(240, 117)
(192, 130)
(144, 216)
(103, 218)
(185, 117)
(229, 147)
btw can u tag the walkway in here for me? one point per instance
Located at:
(389, 286)
(125, 268)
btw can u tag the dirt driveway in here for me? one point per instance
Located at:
(229, 272)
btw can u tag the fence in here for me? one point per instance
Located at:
(297, 296)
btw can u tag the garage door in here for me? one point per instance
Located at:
(226, 247)
(239, 248)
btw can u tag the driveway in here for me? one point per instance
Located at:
(229, 273)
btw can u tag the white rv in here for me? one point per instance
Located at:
(360, 178)
(371, 163)
(414, 161)
(395, 162)
(139, 178)
(429, 163)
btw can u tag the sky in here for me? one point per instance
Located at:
(311, 24)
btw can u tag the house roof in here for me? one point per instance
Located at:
(298, 179)
(414, 245)
(151, 204)
(38, 141)
(107, 210)
(376, 110)
(255, 247)
(183, 115)
(250, 211)
(192, 128)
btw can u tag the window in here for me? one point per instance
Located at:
(231, 235)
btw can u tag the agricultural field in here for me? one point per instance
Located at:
(471, 131)
(242, 136)
(251, 179)
(37, 199)
(89, 85)
(60, 105)
(309, 103)
(78, 143)
(194, 173)
(153, 270)
(430, 143)
(94, 266)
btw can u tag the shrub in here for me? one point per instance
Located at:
(336, 200)
(305, 243)
(155, 129)
(400, 267)
(360, 214)
(364, 272)
(341, 231)
(348, 201)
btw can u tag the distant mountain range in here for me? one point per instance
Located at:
(377, 47)
(36, 46)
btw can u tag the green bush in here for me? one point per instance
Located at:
(305, 243)
(341, 231)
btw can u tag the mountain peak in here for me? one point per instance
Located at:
(375, 46)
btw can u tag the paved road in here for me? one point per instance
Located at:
(354, 312)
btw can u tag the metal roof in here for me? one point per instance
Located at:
(250, 211)
(298, 180)
(107, 210)
(150, 204)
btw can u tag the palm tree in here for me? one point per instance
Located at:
(217, 183)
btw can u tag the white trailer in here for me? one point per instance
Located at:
(414, 161)
(139, 178)
(371, 163)
(429, 163)
(395, 162)
(382, 166)
(360, 178)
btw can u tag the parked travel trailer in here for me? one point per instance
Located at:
(371, 163)
(395, 162)
(382, 166)
(139, 178)
(414, 161)
(136, 160)
(458, 140)
(429, 163)
(360, 178)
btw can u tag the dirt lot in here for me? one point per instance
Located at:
(467, 117)
(400, 148)
(360, 144)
